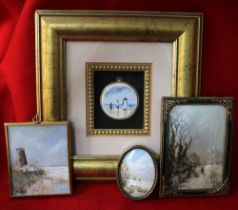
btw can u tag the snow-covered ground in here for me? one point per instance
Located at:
(119, 114)
(54, 181)
(56, 172)
(138, 188)
(211, 175)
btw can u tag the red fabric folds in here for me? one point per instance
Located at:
(18, 93)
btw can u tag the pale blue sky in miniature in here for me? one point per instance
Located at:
(118, 92)
(44, 145)
(206, 124)
(140, 164)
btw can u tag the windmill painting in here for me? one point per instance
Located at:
(38, 159)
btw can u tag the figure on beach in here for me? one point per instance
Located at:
(119, 100)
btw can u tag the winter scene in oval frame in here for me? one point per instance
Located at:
(137, 173)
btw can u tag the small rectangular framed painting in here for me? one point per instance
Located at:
(196, 146)
(38, 158)
(118, 98)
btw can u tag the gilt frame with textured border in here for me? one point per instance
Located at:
(118, 68)
(39, 158)
(196, 146)
(53, 28)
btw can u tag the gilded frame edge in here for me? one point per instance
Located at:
(67, 124)
(95, 168)
(167, 105)
(91, 67)
(187, 44)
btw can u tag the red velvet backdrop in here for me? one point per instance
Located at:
(18, 98)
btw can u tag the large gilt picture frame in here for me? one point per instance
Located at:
(55, 28)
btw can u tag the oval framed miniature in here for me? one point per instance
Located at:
(137, 173)
(119, 100)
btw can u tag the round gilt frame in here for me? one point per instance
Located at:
(132, 88)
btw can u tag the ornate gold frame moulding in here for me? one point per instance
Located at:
(54, 28)
(167, 189)
(91, 68)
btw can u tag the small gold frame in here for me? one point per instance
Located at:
(117, 67)
(68, 154)
(53, 28)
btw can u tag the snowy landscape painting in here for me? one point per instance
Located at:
(119, 100)
(196, 148)
(38, 159)
(137, 173)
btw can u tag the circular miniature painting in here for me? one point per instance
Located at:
(137, 173)
(119, 100)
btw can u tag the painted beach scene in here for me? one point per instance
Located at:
(39, 161)
(197, 147)
(137, 173)
(119, 100)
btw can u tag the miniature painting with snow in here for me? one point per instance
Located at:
(119, 100)
(38, 158)
(137, 173)
(196, 147)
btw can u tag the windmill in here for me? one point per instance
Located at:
(21, 157)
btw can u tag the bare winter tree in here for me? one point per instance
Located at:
(180, 166)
